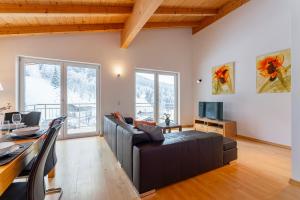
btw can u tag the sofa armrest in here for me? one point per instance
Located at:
(129, 120)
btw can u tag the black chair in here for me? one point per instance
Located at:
(31, 118)
(34, 188)
(51, 159)
(8, 116)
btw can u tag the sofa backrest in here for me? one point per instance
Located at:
(179, 157)
(110, 132)
(127, 137)
(121, 138)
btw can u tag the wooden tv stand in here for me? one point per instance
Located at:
(226, 128)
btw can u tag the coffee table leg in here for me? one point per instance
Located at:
(180, 128)
(164, 130)
(169, 130)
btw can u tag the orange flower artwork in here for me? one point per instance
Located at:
(223, 79)
(274, 72)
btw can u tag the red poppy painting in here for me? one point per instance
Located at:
(273, 72)
(223, 79)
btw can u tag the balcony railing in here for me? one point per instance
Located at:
(145, 111)
(80, 115)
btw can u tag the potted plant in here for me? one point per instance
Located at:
(167, 119)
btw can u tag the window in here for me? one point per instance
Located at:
(57, 88)
(156, 94)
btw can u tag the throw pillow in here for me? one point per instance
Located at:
(136, 123)
(119, 117)
(155, 132)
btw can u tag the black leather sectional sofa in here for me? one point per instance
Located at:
(154, 165)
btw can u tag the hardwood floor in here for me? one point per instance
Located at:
(87, 170)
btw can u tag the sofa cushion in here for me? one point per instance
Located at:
(229, 143)
(155, 132)
(229, 155)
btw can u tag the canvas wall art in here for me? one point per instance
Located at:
(273, 72)
(223, 79)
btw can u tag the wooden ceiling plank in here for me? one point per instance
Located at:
(64, 9)
(226, 9)
(186, 11)
(92, 9)
(181, 24)
(24, 30)
(65, 28)
(142, 11)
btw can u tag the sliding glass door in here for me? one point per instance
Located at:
(81, 99)
(41, 89)
(156, 94)
(167, 99)
(57, 88)
(145, 96)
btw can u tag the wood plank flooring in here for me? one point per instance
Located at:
(87, 170)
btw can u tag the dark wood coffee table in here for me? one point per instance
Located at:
(170, 127)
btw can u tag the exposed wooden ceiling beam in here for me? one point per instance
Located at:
(92, 9)
(142, 11)
(226, 9)
(114, 27)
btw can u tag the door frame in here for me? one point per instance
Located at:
(156, 91)
(20, 82)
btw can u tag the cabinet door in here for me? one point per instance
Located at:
(215, 129)
(201, 127)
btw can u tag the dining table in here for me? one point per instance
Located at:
(10, 171)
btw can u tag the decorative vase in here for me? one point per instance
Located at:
(167, 121)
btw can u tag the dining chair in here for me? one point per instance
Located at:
(8, 116)
(34, 188)
(51, 159)
(31, 118)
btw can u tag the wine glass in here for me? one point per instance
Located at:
(5, 127)
(16, 119)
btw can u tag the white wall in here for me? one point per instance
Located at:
(295, 5)
(257, 28)
(155, 49)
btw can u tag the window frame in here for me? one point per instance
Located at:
(156, 91)
(20, 90)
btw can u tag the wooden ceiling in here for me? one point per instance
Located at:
(19, 17)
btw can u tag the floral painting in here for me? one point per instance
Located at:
(223, 79)
(273, 72)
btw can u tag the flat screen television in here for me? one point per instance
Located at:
(211, 110)
(201, 111)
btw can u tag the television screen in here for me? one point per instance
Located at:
(201, 112)
(214, 110)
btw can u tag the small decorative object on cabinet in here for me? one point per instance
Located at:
(225, 127)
